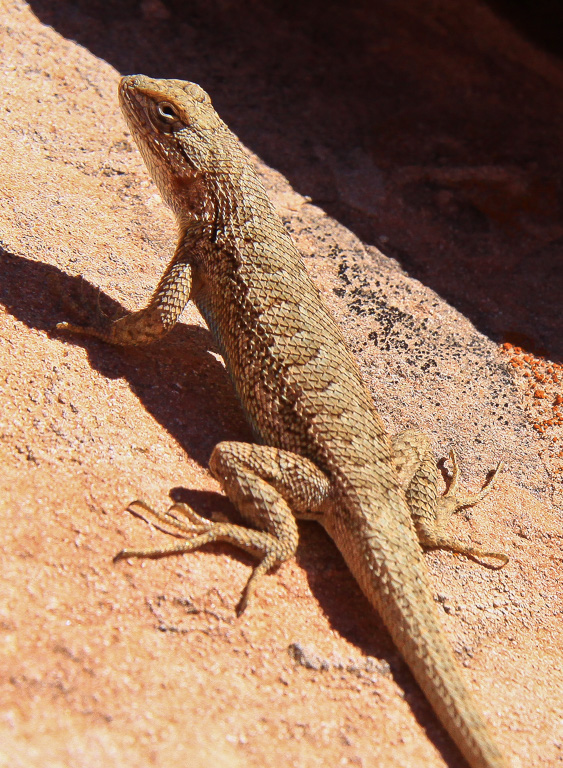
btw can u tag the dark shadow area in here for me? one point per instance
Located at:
(416, 126)
(540, 21)
(183, 392)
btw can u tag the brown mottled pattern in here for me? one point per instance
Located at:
(324, 453)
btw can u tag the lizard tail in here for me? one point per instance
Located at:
(416, 631)
(396, 583)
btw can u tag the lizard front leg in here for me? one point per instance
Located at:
(431, 512)
(269, 487)
(157, 318)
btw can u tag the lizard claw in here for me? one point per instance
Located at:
(195, 524)
(468, 500)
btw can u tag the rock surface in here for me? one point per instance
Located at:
(417, 148)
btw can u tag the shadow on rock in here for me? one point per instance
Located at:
(180, 384)
(410, 125)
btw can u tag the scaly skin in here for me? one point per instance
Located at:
(324, 452)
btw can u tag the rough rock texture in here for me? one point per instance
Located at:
(417, 148)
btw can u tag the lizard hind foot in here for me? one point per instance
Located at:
(451, 502)
(197, 531)
(180, 517)
(468, 500)
(269, 561)
(165, 521)
(448, 542)
(92, 320)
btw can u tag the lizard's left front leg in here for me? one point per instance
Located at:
(431, 512)
(269, 487)
(157, 318)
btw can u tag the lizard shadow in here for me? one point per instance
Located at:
(178, 381)
(40, 295)
(431, 151)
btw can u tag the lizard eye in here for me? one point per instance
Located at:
(167, 112)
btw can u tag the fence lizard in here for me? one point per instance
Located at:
(323, 452)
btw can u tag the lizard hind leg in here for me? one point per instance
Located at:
(268, 486)
(431, 512)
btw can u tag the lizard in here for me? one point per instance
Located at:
(322, 451)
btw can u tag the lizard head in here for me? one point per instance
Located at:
(183, 141)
